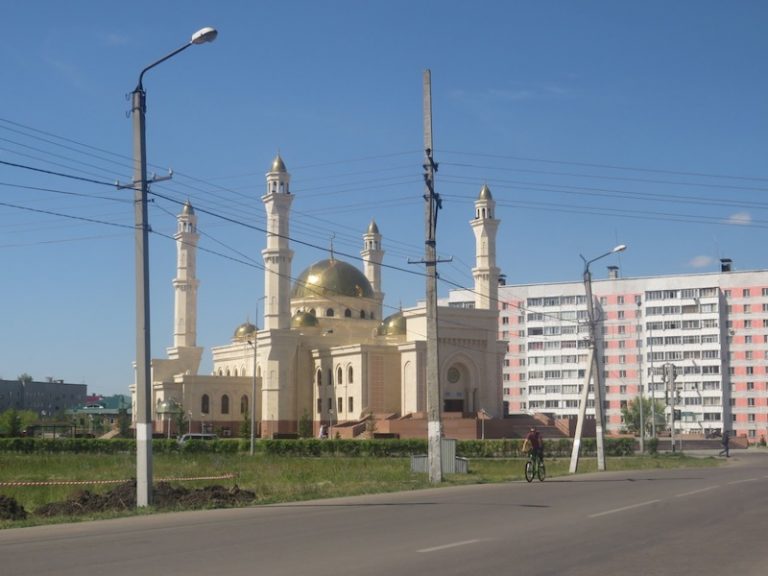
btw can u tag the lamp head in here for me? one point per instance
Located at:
(619, 248)
(204, 35)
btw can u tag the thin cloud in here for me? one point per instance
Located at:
(113, 39)
(740, 219)
(701, 262)
(512, 94)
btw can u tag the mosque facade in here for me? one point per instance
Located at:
(326, 356)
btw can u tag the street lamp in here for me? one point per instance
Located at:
(143, 363)
(593, 371)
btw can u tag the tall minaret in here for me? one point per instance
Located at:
(277, 255)
(485, 272)
(185, 284)
(373, 256)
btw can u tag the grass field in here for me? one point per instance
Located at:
(272, 478)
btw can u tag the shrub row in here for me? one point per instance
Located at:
(313, 447)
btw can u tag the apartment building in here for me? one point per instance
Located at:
(712, 328)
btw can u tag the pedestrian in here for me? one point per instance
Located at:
(725, 451)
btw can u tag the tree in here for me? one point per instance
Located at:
(631, 414)
(25, 378)
(305, 426)
(13, 422)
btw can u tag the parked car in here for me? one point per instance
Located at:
(197, 436)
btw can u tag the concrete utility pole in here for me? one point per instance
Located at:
(144, 423)
(640, 378)
(434, 424)
(593, 372)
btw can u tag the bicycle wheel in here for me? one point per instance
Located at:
(529, 471)
(542, 472)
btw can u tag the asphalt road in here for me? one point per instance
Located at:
(704, 521)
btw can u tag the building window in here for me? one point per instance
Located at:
(319, 378)
(340, 405)
(347, 313)
(205, 404)
(319, 405)
(225, 404)
(350, 404)
(243, 404)
(329, 312)
(330, 376)
(339, 374)
(350, 374)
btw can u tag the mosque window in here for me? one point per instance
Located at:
(329, 312)
(319, 377)
(330, 376)
(362, 314)
(350, 374)
(340, 404)
(235, 374)
(205, 404)
(339, 375)
(243, 404)
(319, 405)
(351, 404)
(347, 313)
(312, 311)
(228, 373)
(225, 404)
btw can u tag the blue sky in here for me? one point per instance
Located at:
(594, 123)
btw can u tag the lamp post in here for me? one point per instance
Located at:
(638, 341)
(593, 372)
(143, 366)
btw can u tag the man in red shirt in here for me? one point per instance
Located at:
(533, 444)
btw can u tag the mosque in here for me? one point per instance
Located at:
(326, 356)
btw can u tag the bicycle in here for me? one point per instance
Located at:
(534, 467)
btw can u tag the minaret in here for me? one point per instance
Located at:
(373, 256)
(185, 284)
(485, 272)
(277, 255)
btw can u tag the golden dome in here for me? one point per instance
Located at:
(330, 278)
(303, 320)
(392, 325)
(485, 193)
(244, 331)
(187, 209)
(372, 228)
(278, 165)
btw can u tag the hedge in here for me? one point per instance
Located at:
(307, 447)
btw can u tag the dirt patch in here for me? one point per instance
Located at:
(164, 496)
(11, 510)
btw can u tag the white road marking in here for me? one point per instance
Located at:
(742, 481)
(615, 510)
(443, 547)
(692, 492)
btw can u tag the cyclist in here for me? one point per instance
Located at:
(533, 444)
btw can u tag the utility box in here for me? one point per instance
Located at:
(450, 463)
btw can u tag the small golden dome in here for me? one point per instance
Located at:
(392, 325)
(329, 278)
(485, 193)
(303, 319)
(278, 165)
(244, 331)
(372, 228)
(187, 210)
